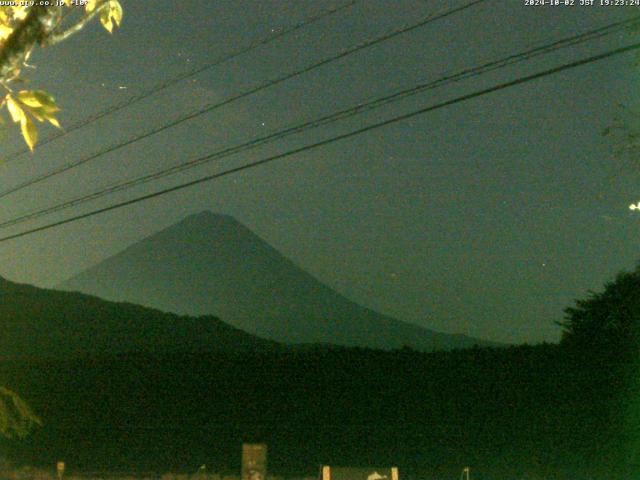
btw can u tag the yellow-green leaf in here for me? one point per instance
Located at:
(20, 12)
(5, 31)
(115, 10)
(53, 121)
(42, 113)
(110, 14)
(29, 132)
(105, 19)
(37, 98)
(90, 6)
(16, 112)
(37, 113)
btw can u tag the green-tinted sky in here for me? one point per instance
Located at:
(486, 218)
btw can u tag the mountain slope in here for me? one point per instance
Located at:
(37, 323)
(211, 264)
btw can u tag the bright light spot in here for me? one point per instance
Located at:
(634, 206)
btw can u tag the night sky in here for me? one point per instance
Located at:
(486, 218)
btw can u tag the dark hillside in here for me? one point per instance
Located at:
(38, 322)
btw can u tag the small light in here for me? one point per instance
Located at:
(633, 206)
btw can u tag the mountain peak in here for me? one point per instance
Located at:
(211, 264)
(199, 233)
(208, 217)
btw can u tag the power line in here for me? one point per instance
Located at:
(210, 107)
(328, 119)
(173, 81)
(353, 133)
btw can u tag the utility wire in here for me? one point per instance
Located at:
(210, 107)
(353, 133)
(173, 81)
(328, 119)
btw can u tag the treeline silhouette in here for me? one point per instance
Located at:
(538, 410)
(568, 411)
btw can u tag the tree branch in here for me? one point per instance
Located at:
(57, 37)
(35, 28)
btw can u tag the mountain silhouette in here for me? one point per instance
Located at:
(210, 264)
(35, 322)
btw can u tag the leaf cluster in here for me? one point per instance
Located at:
(27, 105)
(110, 13)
